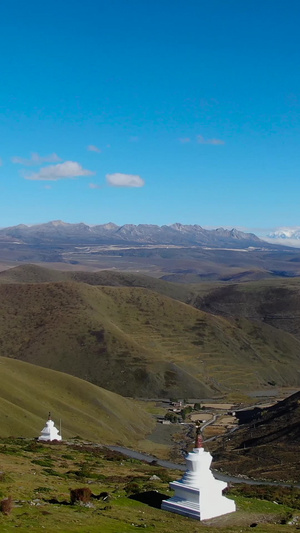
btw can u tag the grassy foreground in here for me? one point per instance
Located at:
(38, 477)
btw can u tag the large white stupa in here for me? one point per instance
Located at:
(49, 432)
(198, 494)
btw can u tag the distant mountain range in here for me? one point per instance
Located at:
(179, 253)
(58, 232)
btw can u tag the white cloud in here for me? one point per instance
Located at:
(294, 243)
(36, 159)
(286, 232)
(66, 170)
(95, 186)
(202, 140)
(124, 180)
(93, 148)
(185, 140)
(285, 235)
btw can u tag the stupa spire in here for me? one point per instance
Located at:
(198, 439)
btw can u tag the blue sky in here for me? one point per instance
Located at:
(150, 111)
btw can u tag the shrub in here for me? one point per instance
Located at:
(42, 489)
(33, 446)
(84, 470)
(10, 450)
(80, 495)
(132, 488)
(112, 455)
(67, 456)
(43, 462)
(289, 496)
(6, 505)
(185, 412)
(51, 472)
(172, 417)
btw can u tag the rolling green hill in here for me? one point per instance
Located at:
(139, 342)
(111, 278)
(275, 302)
(28, 392)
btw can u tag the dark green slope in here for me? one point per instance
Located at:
(273, 302)
(268, 446)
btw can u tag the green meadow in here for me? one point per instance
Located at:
(39, 477)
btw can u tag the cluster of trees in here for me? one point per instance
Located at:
(183, 414)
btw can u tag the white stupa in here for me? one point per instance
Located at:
(198, 494)
(49, 432)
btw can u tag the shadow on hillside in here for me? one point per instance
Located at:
(150, 497)
(56, 502)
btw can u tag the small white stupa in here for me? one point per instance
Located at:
(49, 432)
(198, 494)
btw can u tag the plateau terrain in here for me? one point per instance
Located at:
(180, 253)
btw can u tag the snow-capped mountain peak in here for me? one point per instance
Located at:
(286, 233)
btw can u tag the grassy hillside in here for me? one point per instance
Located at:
(39, 477)
(29, 392)
(32, 274)
(38, 274)
(268, 446)
(274, 301)
(139, 342)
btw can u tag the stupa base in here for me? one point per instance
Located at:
(48, 439)
(183, 507)
(190, 502)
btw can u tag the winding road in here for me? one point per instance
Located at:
(168, 464)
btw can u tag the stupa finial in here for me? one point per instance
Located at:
(49, 416)
(198, 439)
